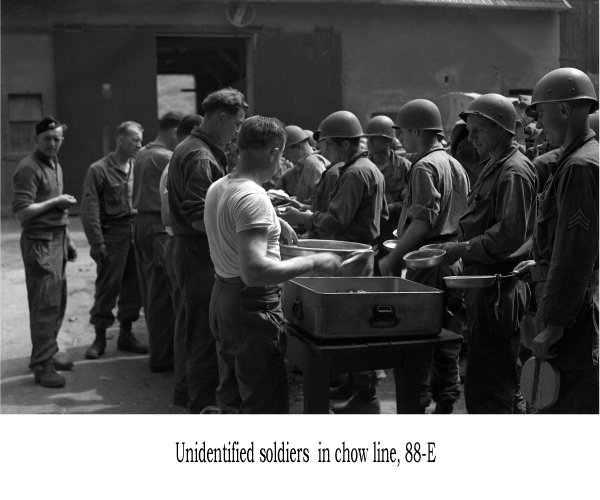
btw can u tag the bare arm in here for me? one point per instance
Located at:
(63, 201)
(257, 269)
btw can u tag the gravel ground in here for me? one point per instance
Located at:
(118, 383)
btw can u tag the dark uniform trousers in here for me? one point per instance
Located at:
(45, 260)
(194, 272)
(180, 386)
(247, 323)
(150, 239)
(116, 278)
(492, 379)
(440, 378)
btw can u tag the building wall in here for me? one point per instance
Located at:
(389, 54)
(27, 68)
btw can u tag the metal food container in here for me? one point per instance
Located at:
(357, 267)
(336, 308)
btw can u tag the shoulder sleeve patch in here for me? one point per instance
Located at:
(579, 219)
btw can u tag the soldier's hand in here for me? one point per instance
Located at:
(543, 342)
(71, 252)
(291, 215)
(522, 271)
(65, 201)
(288, 235)
(98, 253)
(453, 253)
(386, 266)
(326, 264)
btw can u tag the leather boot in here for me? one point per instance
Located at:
(62, 361)
(361, 402)
(47, 376)
(345, 390)
(127, 341)
(98, 346)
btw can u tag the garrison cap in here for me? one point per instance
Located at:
(48, 123)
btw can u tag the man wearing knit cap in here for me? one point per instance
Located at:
(40, 205)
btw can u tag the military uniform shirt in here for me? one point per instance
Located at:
(357, 204)
(107, 192)
(566, 233)
(501, 212)
(149, 164)
(36, 180)
(195, 165)
(437, 194)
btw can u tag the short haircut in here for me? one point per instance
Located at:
(580, 103)
(125, 128)
(187, 124)
(355, 141)
(169, 120)
(258, 132)
(228, 100)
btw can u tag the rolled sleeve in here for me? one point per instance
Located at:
(514, 202)
(25, 186)
(426, 197)
(90, 207)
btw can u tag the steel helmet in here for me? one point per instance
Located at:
(311, 138)
(419, 114)
(294, 135)
(342, 124)
(495, 107)
(593, 123)
(563, 84)
(318, 133)
(380, 126)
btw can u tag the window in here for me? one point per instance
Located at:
(24, 111)
(176, 93)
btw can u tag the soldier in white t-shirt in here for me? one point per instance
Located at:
(245, 311)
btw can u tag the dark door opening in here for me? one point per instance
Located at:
(191, 67)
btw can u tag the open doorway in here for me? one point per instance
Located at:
(191, 67)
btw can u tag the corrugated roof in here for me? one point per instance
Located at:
(489, 4)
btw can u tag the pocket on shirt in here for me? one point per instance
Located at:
(113, 196)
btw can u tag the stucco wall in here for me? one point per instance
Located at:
(27, 68)
(390, 54)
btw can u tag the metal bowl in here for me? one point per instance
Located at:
(390, 244)
(433, 246)
(470, 281)
(420, 259)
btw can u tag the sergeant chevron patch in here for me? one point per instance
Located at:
(579, 219)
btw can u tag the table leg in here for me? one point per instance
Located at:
(408, 381)
(316, 384)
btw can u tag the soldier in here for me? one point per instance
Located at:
(380, 134)
(243, 232)
(106, 214)
(180, 389)
(436, 198)
(565, 241)
(40, 205)
(195, 165)
(309, 164)
(357, 207)
(495, 235)
(151, 238)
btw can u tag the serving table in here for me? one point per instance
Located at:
(320, 358)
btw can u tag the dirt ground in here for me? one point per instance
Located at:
(117, 383)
